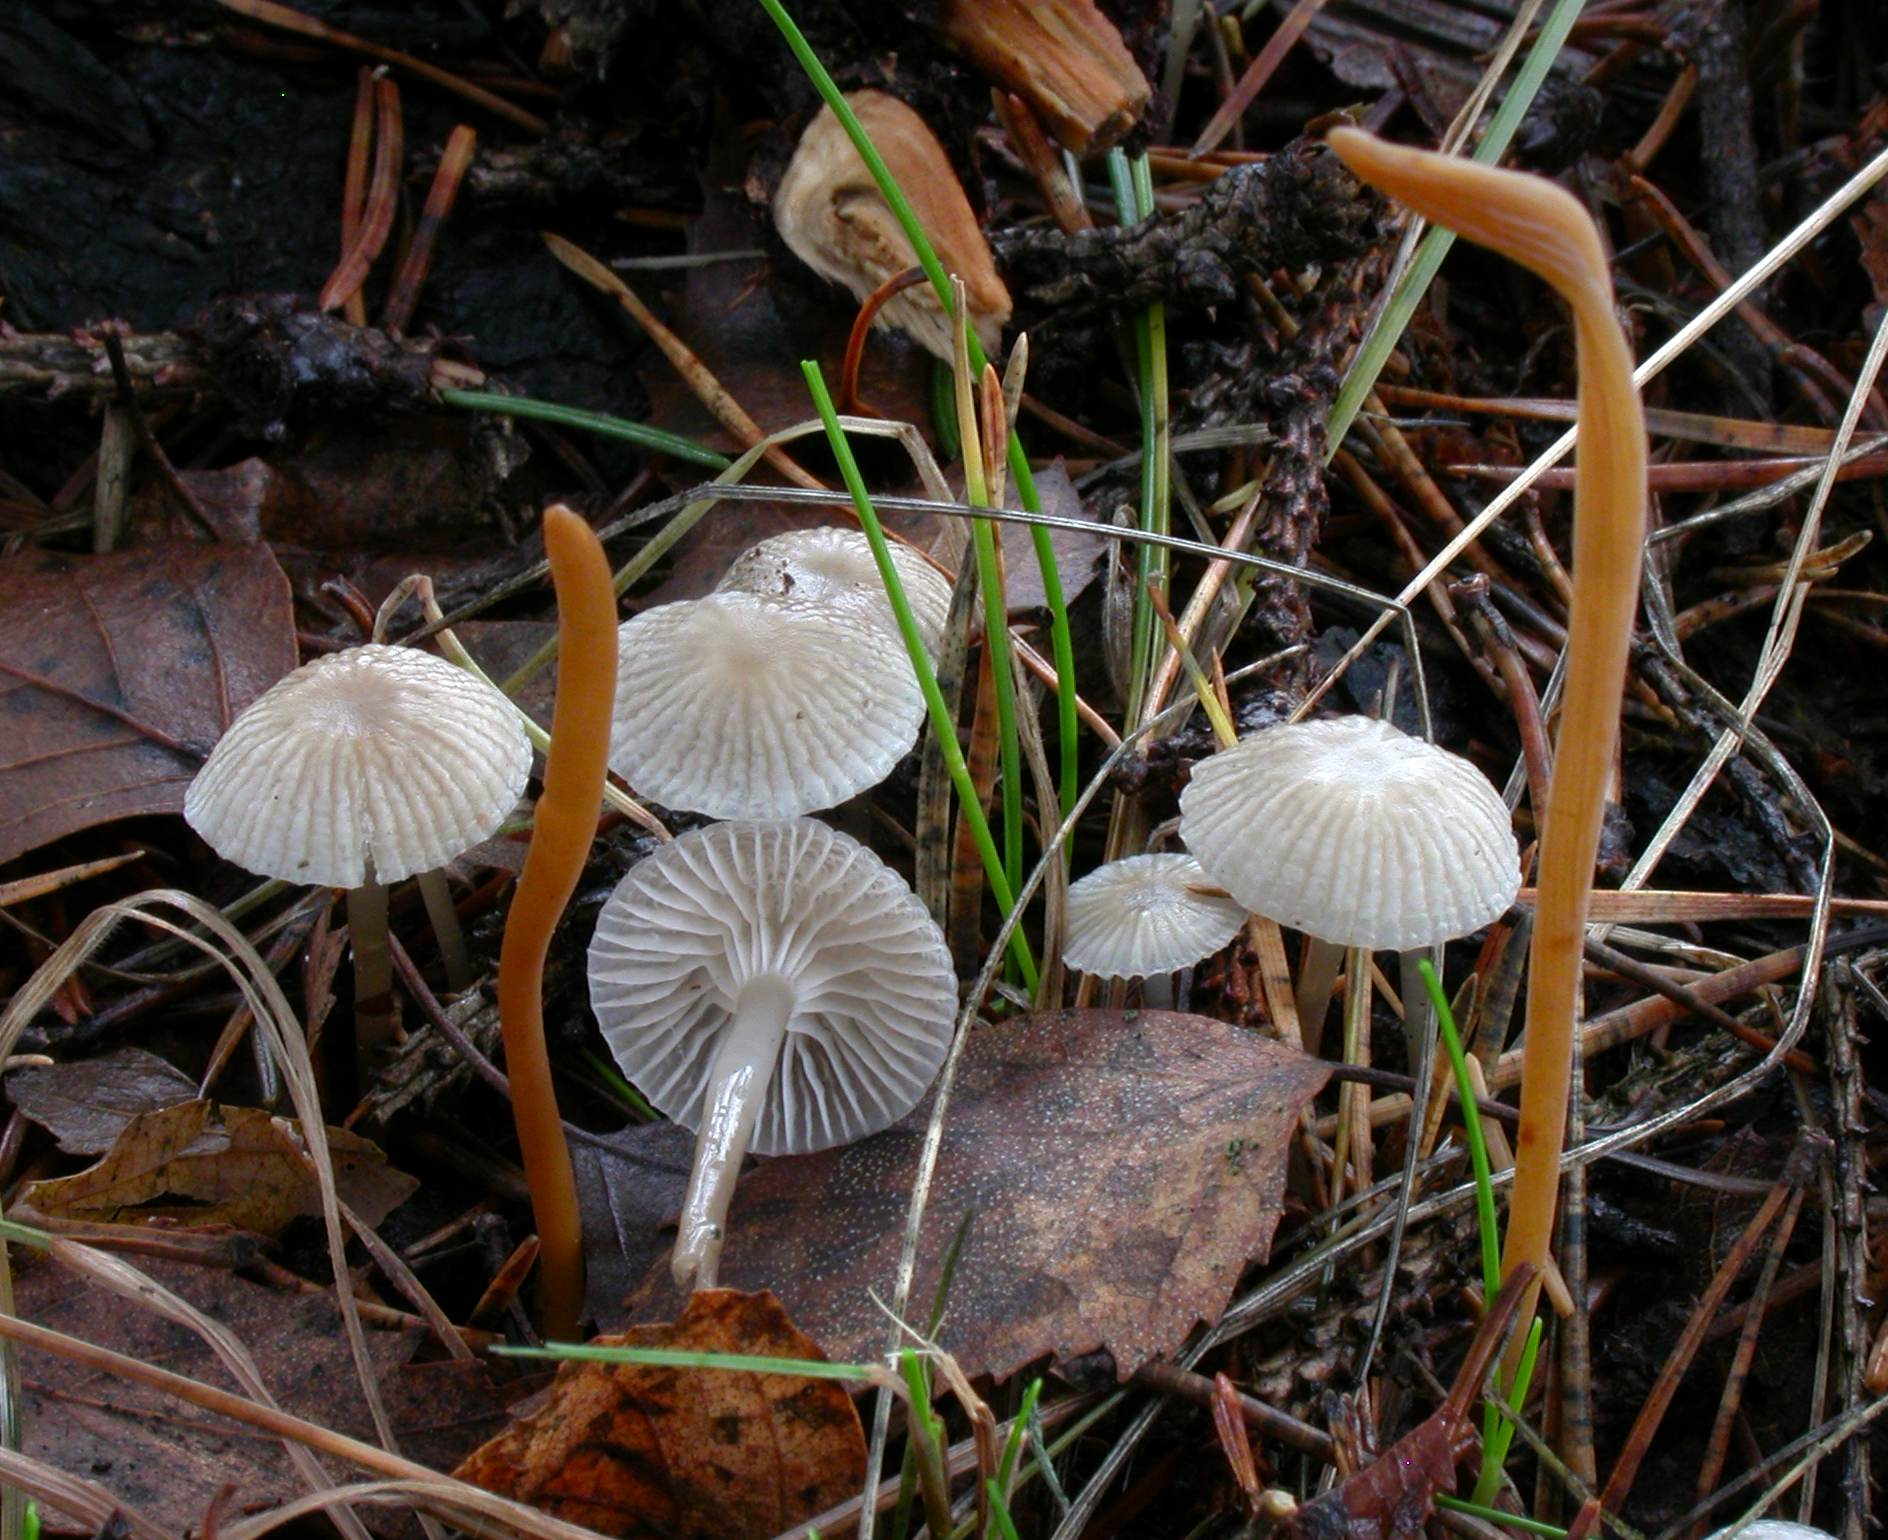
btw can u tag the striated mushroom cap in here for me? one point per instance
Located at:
(1141, 915)
(378, 754)
(836, 567)
(829, 211)
(739, 705)
(1353, 832)
(875, 996)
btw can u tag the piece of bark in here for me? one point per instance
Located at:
(1298, 208)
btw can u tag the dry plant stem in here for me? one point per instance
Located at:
(1044, 164)
(1317, 978)
(869, 307)
(447, 930)
(117, 438)
(112, 337)
(505, 1284)
(294, 21)
(405, 293)
(1646, 1425)
(1257, 73)
(1064, 57)
(563, 828)
(1718, 1446)
(711, 392)
(360, 149)
(1542, 227)
(383, 195)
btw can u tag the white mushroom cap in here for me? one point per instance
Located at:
(738, 705)
(1353, 832)
(836, 567)
(1141, 915)
(694, 923)
(381, 754)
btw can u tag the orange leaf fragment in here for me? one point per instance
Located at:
(638, 1449)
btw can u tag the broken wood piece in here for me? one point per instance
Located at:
(1063, 57)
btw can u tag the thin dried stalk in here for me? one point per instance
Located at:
(698, 376)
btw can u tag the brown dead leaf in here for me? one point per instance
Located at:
(629, 1184)
(118, 673)
(168, 1459)
(685, 1454)
(1871, 229)
(85, 1104)
(1076, 554)
(1119, 1169)
(348, 485)
(208, 1164)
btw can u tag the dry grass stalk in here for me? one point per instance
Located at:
(711, 392)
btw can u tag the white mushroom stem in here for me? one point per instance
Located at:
(737, 1085)
(446, 930)
(373, 970)
(1157, 992)
(1317, 978)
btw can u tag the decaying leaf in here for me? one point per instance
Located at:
(168, 1459)
(695, 1454)
(208, 1164)
(86, 1103)
(118, 673)
(628, 1184)
(1076, 554)
(1118, 1168)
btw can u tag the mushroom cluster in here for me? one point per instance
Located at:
(768, 982)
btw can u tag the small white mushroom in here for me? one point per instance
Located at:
(775, 987)
(358, 770)
(836, 567)
(740, 705)
(829, 211)
(1146, 915)
(1355, 833)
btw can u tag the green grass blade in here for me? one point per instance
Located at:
(941, 722)
(1361, 378)
(681, 1358)
(1472, 1123)
(1501, 1517)
(595, 422)
(1019, 1435)
(1063, 642)
(1498, 1431)
(1133, 185)
(1000, 1511)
